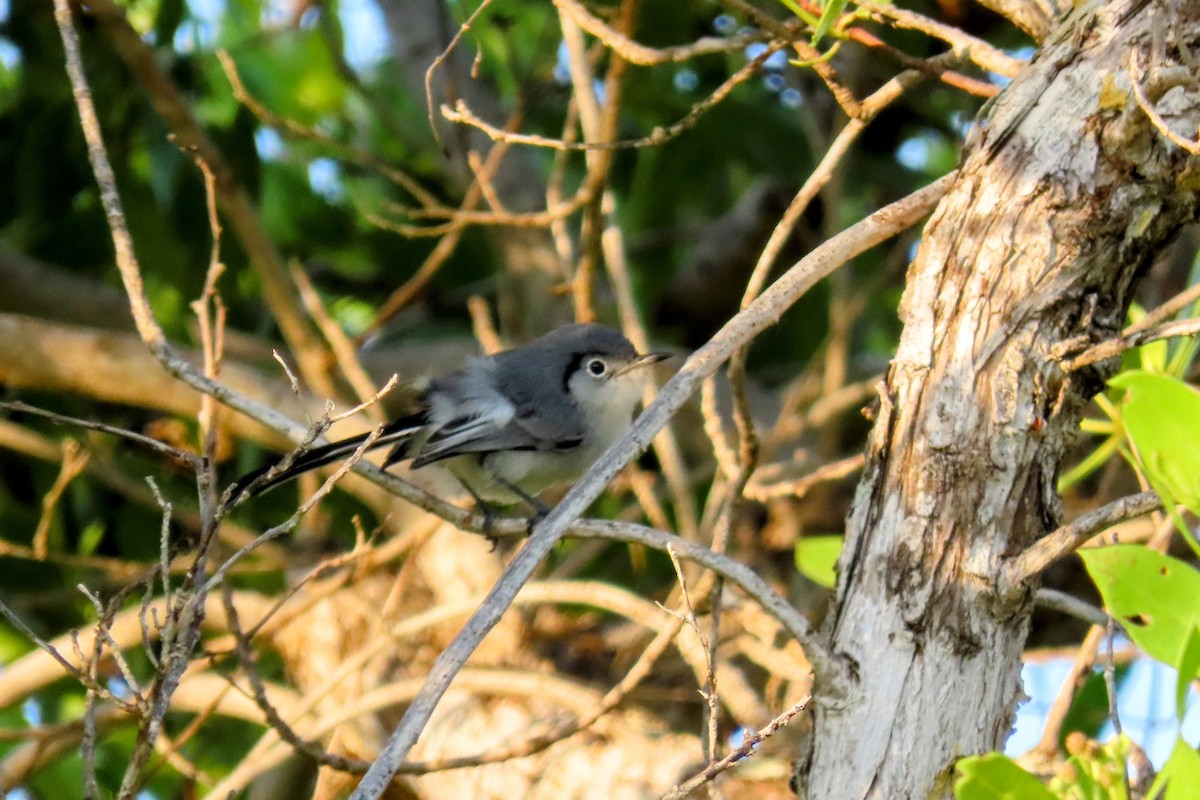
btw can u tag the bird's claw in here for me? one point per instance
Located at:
(489, 525)
(540, 512)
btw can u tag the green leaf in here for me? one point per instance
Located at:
(293, 74)
(1095, 460)
(1156, 597)
(794, 7)
(831, 10)
(1189, 669)
(1089, 710)
(1151, 356)
(1180, 775)
(1161, 416)
(995, 776)
(816, 558)
(91, 537)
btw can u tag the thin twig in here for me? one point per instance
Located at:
(310, 748)
(73, 462)
(440, 59)
(760, 490)
(599, 124)
(209, 309)
(87, 742)
(339, 343)
(975, 50)
(583, 79)
(745, 750)
(63, 419)
(1071, 605)
(460, 112)
(483, 326)
(1110, 685)
(869, 108)
(1047, 746)
(1139, 94)
(1129, 340)
(940, 66)
(291, 522)
(440, 255)
(714, 429)
(463, 219)
(666, 443)
(295, 129)
(1167, 309)
(709, 689)
(72, 670)
(807, 53)
(104, 637)
(1065, 540)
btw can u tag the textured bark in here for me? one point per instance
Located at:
(1066, 195)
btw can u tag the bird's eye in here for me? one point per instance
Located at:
(597, 367)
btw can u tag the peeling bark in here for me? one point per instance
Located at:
(1066, 195)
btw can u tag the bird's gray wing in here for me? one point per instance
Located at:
(541, 401)
(481, 435)
(528, 412)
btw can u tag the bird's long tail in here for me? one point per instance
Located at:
(396, 434)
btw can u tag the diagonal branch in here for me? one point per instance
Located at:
(1068, 538)
(975, 50)
(1131, 339)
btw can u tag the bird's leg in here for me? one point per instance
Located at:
(540, 509)
(488, 511)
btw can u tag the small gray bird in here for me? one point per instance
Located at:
(508, 425)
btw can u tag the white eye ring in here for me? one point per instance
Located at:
(596, 368)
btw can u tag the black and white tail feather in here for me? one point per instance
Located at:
(398, 433)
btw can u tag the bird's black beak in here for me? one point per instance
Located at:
(643, 361)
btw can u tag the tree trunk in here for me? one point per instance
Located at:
(1066, 195)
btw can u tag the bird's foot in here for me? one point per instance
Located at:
(540, 512)
(540, 509)
(489, 525)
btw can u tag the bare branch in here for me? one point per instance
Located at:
(708, 688)
(1035, 17)
(461, 113)
(1131, 339)
(1139, 94)
(144, 441)
(1071, 605)
(636, 53)
(73, 463)
(759, 489)
(290, 126)
(1065, 540)
(744, 750)
(964, 45)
